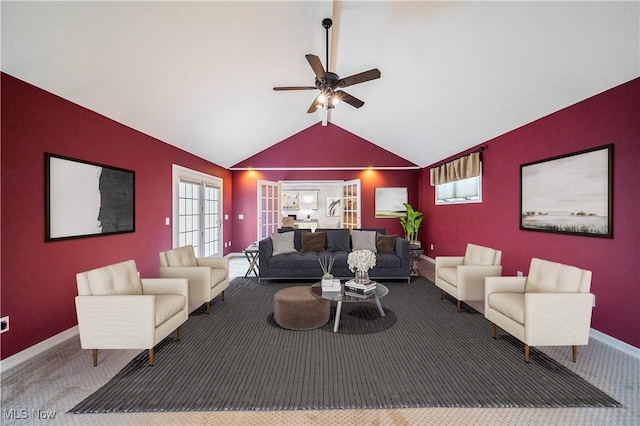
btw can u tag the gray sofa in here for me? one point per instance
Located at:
(304, 264)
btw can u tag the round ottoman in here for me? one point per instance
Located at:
(295, 308)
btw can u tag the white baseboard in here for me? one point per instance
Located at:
(37, 349)
(615, 343)
(428, 259)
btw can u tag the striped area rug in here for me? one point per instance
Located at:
(421, 354)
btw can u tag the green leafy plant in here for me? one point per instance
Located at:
(411, 223)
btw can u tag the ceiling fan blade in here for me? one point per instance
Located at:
(351, 100)
(314, 105)
(295, 88)
(359, 78)
(317, 67)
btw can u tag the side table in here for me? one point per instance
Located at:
(415, 257)
(252, 255)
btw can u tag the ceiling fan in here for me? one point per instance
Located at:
(329, 83)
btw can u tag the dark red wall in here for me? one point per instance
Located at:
(38, 278)
(610, 117)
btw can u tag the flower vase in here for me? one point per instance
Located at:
(327, 282)
(362, 276)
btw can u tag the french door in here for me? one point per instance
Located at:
(350, 199)
(197, 212)
(269, 215)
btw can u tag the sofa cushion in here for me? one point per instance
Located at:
(479, 255)
(167, 305)
(120, 278)
(313, 241)
(552, 277)
(297, 236)
(363, 240)
(182, 256)
(449, 275)
(508, 304)
(386, 243)
(282, 243)
(337, 239)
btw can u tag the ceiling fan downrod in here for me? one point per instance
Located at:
(326, 24)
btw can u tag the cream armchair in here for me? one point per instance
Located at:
(550, 307)
(463, 276)
(118, 310)
(208, 277)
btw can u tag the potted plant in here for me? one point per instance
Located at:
(411, 224)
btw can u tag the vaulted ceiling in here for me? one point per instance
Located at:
(199, 75)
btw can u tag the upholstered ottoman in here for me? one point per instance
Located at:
(296, 308)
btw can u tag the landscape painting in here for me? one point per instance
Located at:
(570, 194)
(390, 202)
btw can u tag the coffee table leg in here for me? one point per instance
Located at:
(336, 322)
(379, 307)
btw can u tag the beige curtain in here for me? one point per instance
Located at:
(462, 168)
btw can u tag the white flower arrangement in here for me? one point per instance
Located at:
(361, 260)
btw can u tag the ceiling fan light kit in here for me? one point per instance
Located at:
(329, 83)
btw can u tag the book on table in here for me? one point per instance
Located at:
(358, 295)
(360, 288)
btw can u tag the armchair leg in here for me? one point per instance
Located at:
(150, 357)
(441, 294)
(493, 330)
(574, 349)
(458, 305)
(222, 296)
(178, 332)
(95, 358)
(526, 353)
(208, 307)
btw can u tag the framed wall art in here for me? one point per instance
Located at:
(84, 199)
(569, 194)
(390, 202)
(333, 207)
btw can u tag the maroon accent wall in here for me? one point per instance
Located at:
(38, 278)
(324, 146)
(610, 117)
(245, 195)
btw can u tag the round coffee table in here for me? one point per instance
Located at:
(340, 297)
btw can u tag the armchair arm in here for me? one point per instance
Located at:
(448, 262)
(557, 318)
(116, 321)
(199, 279)
(165, 286)
(214, 262)
(471, 280)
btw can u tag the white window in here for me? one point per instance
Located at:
(197, 212)
(460, 191)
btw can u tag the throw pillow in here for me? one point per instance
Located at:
(338, 240)
(363, 240)
(313, 241)
(386, 243)
(282, 243)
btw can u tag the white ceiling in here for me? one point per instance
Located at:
(199, 75)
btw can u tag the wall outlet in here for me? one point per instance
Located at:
(167, 221)
(519, 273)
(229, 243)
(4, 324)
(431, 246)
(226, 217)
(240, 216)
